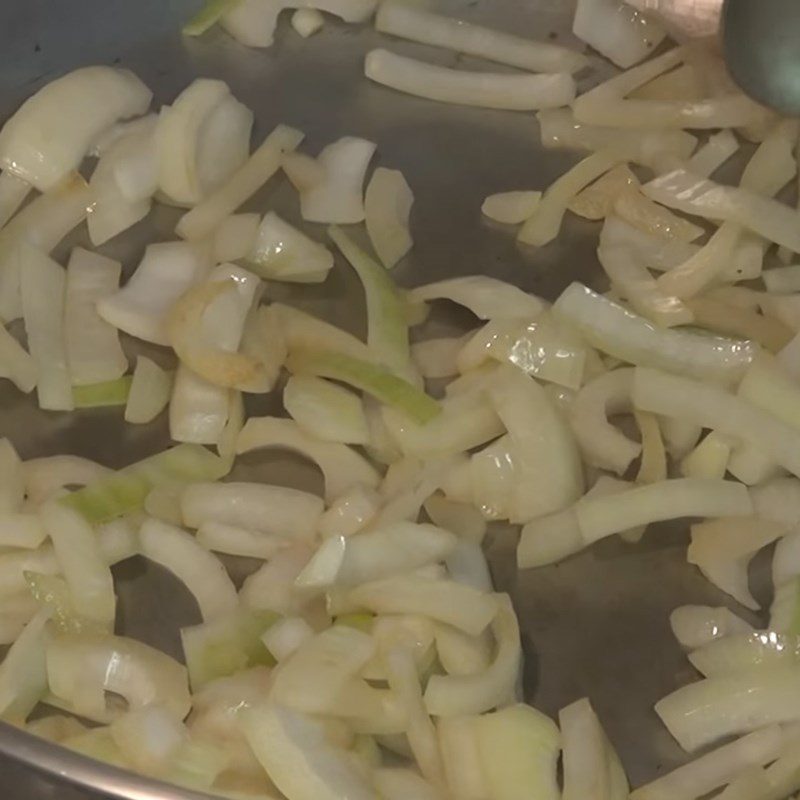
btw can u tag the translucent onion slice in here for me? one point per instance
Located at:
(16, 363)
(487, 298)
(723, 549)
(198, 409)
(387, 327)
(387, 208)
(43, 285)
(519, 746)
(23, 673)
(588, 755)
(323, 409)
(79, 105)
(339, 197)
(599, 517)
(458, 742)
(93, 347)
(178, 138)
(307, 21)
(703, 197)
(43, 223)
(202, 573)
(252, 22)
(12, 478)
(273, 510)
(712, 407)
(453, 603)
(245, 182)
(112, 210)
(419, 25)
(597, 200)
(511, 208)
(451, 695)
(281, 252)
(81, 668)
(704, 712)
(713, 154)
(166, 272)
(381, 384)
(606, 104)
(235, 237)
(300, 762)
(85, 570)
(616, 331)
(149, 393)
(545, 223)
(342, 467)
(13, 191)
(208, 16)
(695, 626)
(601, 443)
(547, 454)
(102, 395)
(124, 492)
(717, 768)
(236, 541)
(618, 32)
(482, 89)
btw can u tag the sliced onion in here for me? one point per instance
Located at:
(545, 223)
(23, 675)
(706, 711)
(273, 510)
(303, 171)
(487, 298)
(466, 421)
(307, 21)
(651, 146)
(342, 467)
(339, 197)
(453, 603)
(198, 409)
(636, 209)
(79, 106)
(165, 273)
(93, 349)
(112, 495)
(606, 104)
(223, 143)
(149, 393)
(458, 742)
(381, 384)
(618, 332)
(245, 182)
(705, 198)
(43, 284)
(283, 253)
(350, 513)
(13, 191)
(712, 407)
(602, 444)
(597, 200)
(511, 208)
(12, 478)
(695, 626)
(483, 89)
(178, 138)
(325, 410)
(546, 450)
(436, 358)
(81, 668)
(16, 363)
(599, 517)
(617, 31)
(272, 586)
(299, 761)
(723, 548)
(253, 22)
(202, 573)
(419, 25)
(235, 237)
(387, 207)
(519, 746)
(387, 328)
(396, 783)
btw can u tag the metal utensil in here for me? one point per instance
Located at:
(761, 44)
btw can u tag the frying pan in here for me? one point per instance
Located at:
(596, 625)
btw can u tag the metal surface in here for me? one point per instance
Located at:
(761, 42)
(595, 625)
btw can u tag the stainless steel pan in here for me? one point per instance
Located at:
(596, 625)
